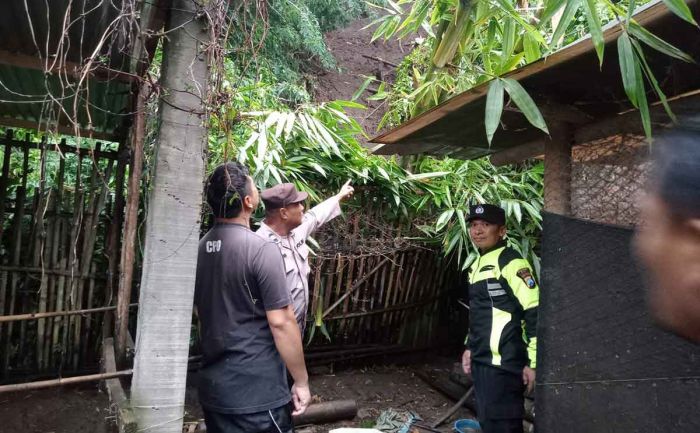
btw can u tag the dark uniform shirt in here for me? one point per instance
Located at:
(240, 276)
(503, 300)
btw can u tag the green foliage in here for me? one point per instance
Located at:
(471, 43)
(289, 41)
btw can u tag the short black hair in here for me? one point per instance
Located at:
(226, 188)
(676, 174)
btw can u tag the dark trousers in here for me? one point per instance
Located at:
(499, 399)
(273, 421)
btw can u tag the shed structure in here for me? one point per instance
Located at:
(70, 73)
(603, 365)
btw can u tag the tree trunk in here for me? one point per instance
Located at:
(172, 228)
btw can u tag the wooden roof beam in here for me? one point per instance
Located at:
(71, 68)
(61, 129)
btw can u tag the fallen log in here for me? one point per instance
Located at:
(319, 413)
(330, 411)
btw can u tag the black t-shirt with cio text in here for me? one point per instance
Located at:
(240, 276)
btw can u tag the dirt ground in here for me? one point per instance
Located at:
(350, 46)
(85, 409)
(58, 410)
(375, 389)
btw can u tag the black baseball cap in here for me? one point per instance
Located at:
(488, 212)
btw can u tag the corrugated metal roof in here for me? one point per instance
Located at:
(32, 38)
(569, 83)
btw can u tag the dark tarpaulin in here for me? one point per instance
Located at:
(603, 365)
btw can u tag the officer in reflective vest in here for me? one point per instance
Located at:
(501, 344)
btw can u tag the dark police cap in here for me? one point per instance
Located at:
(487, 212)
(282, 195)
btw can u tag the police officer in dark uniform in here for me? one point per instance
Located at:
(501, 344)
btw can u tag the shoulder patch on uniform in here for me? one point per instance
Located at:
(525, 275)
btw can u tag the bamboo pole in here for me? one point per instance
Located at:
(16, 255)
(130, 225)
(72, 265)
(354, 287)
(60, 271)
(340, 271)
(88, 319)
(114, 240)
(54, 285)
(39, 256)
(35, 316)
(4, 180)
(63, 381)
(348, 285)
(62, 147)
(97, 203)
(358, 301)
(88, 236)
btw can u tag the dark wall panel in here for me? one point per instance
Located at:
(603, 365)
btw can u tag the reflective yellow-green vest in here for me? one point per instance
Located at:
(503, 300)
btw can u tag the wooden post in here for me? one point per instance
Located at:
(128, 254)
(557, 169)
(114, 239)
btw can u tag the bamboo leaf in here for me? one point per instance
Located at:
(422, 176)
(494, 108)
(657, 43)
(567, 16)
(680, 8)
(525, 103)
(443, 219)
(630, 10)
(532, 48)
(510, 10)
(595, 28)
(652, 79)
(627, 67)
(362, 88)
(641, 97)
(551, 8)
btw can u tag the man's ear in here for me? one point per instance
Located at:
(248, 202)
(503, 231)
(694, 225)
(283, 213)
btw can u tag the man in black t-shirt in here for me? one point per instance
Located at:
(248, 328)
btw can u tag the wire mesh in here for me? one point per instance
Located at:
(608, 178)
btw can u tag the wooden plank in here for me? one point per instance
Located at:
(61, 129)
(128, 254)
(65, 68)
(62, 147)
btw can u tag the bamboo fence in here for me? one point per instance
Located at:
(396, 300)
(53, 284)
(66, 278)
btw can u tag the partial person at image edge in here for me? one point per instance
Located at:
(668, 239)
